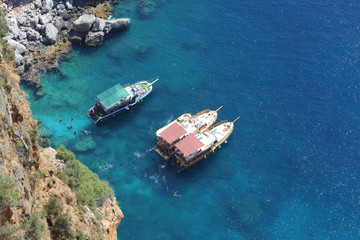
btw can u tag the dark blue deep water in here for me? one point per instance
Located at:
(289, 68)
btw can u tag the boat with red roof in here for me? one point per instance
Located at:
(196, 147)
(180, 128)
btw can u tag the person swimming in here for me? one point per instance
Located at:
(74, 132)
(85, 131)
(176, 195)
(60, 120)
(69, 127)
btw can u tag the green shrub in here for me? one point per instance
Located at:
(35, 177)
(34, 134)
(7, 53)
(53, 207)
(33, 227)
(90, 190)
(8, 196)
(64, 154)
(4, 29)
(9, 232)
(80, 236)
(62, 227)
(45, 142)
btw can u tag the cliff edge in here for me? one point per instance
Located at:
(39, 198)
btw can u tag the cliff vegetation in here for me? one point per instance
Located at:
(44, 194)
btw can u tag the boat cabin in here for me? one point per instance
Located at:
(192, 145)
(115, 98)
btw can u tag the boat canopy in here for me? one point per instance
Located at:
(173, 132)
(189, 145)
(113, 96)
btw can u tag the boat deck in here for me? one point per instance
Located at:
(212, 139)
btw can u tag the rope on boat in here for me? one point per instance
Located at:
(218, 108)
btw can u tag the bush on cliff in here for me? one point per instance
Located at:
(90, 190)
(53, 207)
(8, 197)
(7, 53)
(64, 154)
(4, 29)
(9, 232)
(59, 222)
(33, 227)
(62, 227)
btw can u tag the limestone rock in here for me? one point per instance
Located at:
(14, 30)
(118, 24)
(34, 21)
(112, 216)
(60, 6)
(33, 35)
(84, 23)
(28, 63)
(45, 18)
(20, 49)
(50, 32)
(59, 22)
(76, 37)
(18, 59)
(21, 69)
(21, 20)
(38, 4)
(100, 24)
(94, 38)
(22, 35)
(64, 14)
(66, 25)
(68, 5)
(8, 37)
(12, 21)
(47, 6)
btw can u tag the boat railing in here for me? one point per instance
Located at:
(219, 123)
(200, 113)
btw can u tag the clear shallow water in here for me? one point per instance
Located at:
(289, 68)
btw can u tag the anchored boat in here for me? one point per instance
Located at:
(180, 128)
(119, 98)
(195, 147)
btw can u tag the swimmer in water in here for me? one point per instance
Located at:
(74, 132)
(69, 127)
(60, 120)
(85, 131)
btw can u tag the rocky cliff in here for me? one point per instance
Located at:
(35, 203)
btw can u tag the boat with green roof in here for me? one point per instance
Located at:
(118, 99)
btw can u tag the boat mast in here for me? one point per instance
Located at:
(236, 119)
(218, 108)
(156, 79)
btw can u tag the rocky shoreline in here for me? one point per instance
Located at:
(42, 31)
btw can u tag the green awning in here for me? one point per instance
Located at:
(112, 96)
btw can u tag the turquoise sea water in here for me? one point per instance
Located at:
(290, 69)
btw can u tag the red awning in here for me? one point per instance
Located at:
(173, 132)
(189, 145)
